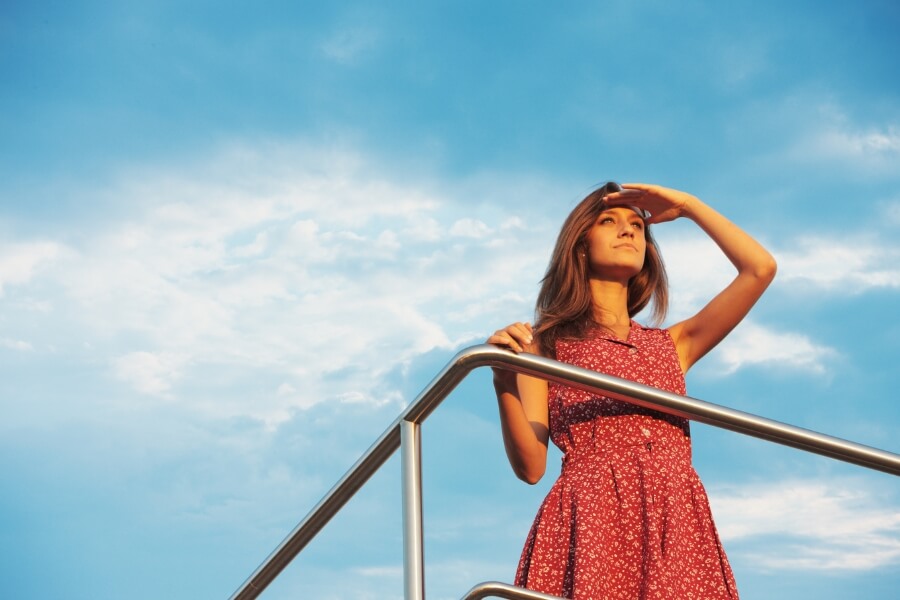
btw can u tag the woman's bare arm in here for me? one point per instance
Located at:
(697, 335)
(522, 400)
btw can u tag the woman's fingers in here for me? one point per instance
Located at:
(663, 204)
(516, 337)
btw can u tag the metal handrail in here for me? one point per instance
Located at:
(495, 589)
(486, 355)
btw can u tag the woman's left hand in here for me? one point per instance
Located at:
(663, 204)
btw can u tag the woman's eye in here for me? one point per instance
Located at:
(606, 220)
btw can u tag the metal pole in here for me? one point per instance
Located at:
(321, 514)
(411, 475)
(480, 356)
(495, 589)
(690, 408)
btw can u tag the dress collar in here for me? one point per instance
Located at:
(633, 335)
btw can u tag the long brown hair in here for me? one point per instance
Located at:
(565, 306)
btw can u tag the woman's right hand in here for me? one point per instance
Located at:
(518, 337)
(522, 399)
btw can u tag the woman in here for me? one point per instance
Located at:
(628, 517)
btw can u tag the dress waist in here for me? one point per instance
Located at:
(614, 436)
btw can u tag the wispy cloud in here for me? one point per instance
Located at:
(856, 262)
(753, 345)
(472, 228)
(831, 135)
(698, 271)
(20, 261)
(149, 373)
(848, 266)
(323, 279)
(19, 345)
(839, 524)
(876, 147)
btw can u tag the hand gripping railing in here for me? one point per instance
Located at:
(404, 432)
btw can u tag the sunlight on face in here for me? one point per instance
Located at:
(616, 243)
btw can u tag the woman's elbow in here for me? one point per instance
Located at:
(769, 268)
(530, 475)
(765, 269)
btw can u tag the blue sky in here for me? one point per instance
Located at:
(236, 240)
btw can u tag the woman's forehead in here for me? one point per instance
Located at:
(626, 209)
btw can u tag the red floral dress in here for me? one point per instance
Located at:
(628, 517)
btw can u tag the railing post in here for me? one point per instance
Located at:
(411, 474)
(407, 425)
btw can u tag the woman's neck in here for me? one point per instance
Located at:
(611, 306)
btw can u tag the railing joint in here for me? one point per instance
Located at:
(407, 427)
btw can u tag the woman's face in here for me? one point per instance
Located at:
(616, 244)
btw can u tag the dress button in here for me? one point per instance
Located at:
(633, 350)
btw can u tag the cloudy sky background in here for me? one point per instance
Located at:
(237, 239)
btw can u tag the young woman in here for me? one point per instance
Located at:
(628, 517)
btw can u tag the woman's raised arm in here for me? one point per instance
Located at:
(696, 336)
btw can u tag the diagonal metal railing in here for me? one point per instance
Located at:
(404, 433)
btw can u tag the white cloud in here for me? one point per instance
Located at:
(856, 262)
(20, 261)
(854, 144)
(850, 265)
(150, 373)
(513, 223)
(311, 267)
(751, 344)
(821, 525)
(697, 270)
(422, 229)
(19, 345)
(306, 266)
(255, 248)
(832, 137)
(472, 228)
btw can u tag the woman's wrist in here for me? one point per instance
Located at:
(505, 382)
(691, 206)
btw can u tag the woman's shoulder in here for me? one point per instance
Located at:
(651, 334)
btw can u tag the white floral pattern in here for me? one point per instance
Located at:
(628, 517)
